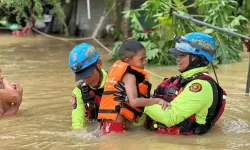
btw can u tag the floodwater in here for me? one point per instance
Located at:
(40, 65)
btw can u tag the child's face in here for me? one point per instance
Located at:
(139, 60)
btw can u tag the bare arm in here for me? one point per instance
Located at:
(9, 96)
(12, 110)
(7, 85)
(12, 97)
(11, 93)
(131, 90)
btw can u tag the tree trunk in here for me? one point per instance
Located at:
(125, 21)
(114, 15)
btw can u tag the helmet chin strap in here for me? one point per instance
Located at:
(100, 76)
(196, 61)
(215, 74)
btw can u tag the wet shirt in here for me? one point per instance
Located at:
(196, 98)
(78, 111)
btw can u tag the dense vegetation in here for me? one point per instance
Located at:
(221, 13)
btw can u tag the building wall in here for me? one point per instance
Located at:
(87, 26)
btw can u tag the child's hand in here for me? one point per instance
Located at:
(121, 95)
(163, 103)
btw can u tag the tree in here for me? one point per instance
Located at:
(34, 7)
(217, 12)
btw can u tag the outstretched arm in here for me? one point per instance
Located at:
(9, 96)
(131, 90)
(189, 102)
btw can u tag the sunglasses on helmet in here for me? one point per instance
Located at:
(78, 66)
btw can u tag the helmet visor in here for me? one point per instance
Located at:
(85, 73)
(181, 49)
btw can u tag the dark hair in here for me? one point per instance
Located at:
(130, 48)
(196, 61)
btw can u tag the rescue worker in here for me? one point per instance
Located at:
(126, 74)
(197, 101)
(85, 62)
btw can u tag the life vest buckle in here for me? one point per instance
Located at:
(170, 91)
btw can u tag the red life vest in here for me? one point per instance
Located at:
(170, 88)
(91, 99)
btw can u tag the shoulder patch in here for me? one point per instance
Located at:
(74, 102)
(195, 87)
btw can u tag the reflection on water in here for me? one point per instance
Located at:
(44, 121)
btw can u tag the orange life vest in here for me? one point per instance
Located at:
(109, 106)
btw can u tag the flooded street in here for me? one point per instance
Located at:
(40, 65)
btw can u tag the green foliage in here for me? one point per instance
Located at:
(16, 7)
(59, 12)
(152, 7)
(244, 9)
(13, 7)
(221, 13)
(164, 27)
(115, 50)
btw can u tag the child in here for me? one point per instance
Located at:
(116, 108)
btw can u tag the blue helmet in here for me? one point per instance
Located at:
(196, 43)
(82, 60)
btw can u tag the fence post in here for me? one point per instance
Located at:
(248, 77)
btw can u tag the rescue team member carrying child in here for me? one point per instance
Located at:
(116, 108)
(85, 62)
(197, 101)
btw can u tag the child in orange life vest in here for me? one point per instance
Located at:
(126, 74)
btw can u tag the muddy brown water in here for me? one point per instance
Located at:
(40, 65)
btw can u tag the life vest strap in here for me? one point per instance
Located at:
(108, 92)
(118, 107)
(148, 90)
(136, 113)
(107, 111)
(170, 91)
(91, 99)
